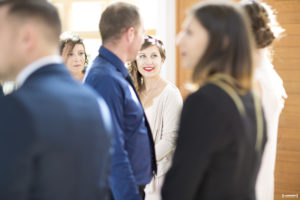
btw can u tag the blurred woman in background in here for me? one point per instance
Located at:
(221, 134)
(74, 55)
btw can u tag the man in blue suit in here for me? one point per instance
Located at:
(133, 161)
(54, 132)
(1, 91)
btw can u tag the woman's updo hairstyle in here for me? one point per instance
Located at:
(260, 15)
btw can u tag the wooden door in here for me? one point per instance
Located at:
(287, 64)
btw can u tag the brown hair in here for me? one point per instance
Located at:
(133, 69)
(37, 9)
(69, 43)
(260, 22)
(117, 19)
(230, 45)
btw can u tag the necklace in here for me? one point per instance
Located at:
(145, 96)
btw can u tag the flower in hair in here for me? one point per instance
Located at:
(68, 35)
(154, 41)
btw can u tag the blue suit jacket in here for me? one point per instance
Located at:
(54, 141)
(133, 160)
(1, 91)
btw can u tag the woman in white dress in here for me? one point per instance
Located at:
(162, 102)
(266, 30)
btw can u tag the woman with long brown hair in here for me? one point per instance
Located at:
(162, 102)
(221, 134)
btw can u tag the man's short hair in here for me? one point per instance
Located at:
(117, 19)
(38, 9)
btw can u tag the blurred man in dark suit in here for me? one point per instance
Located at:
(54, 132)
(1, 91)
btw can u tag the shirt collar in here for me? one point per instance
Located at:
(113, 59)
(31, 68)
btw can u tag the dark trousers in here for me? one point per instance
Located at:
(140, 188)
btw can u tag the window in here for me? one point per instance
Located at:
(82, 17)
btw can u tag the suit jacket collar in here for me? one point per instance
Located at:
(31, 68)
(114, 60)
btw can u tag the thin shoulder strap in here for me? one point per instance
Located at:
(241, 108)
(259, 123)
(234, 96)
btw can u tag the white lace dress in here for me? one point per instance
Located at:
(273, 97)
(163, 117)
